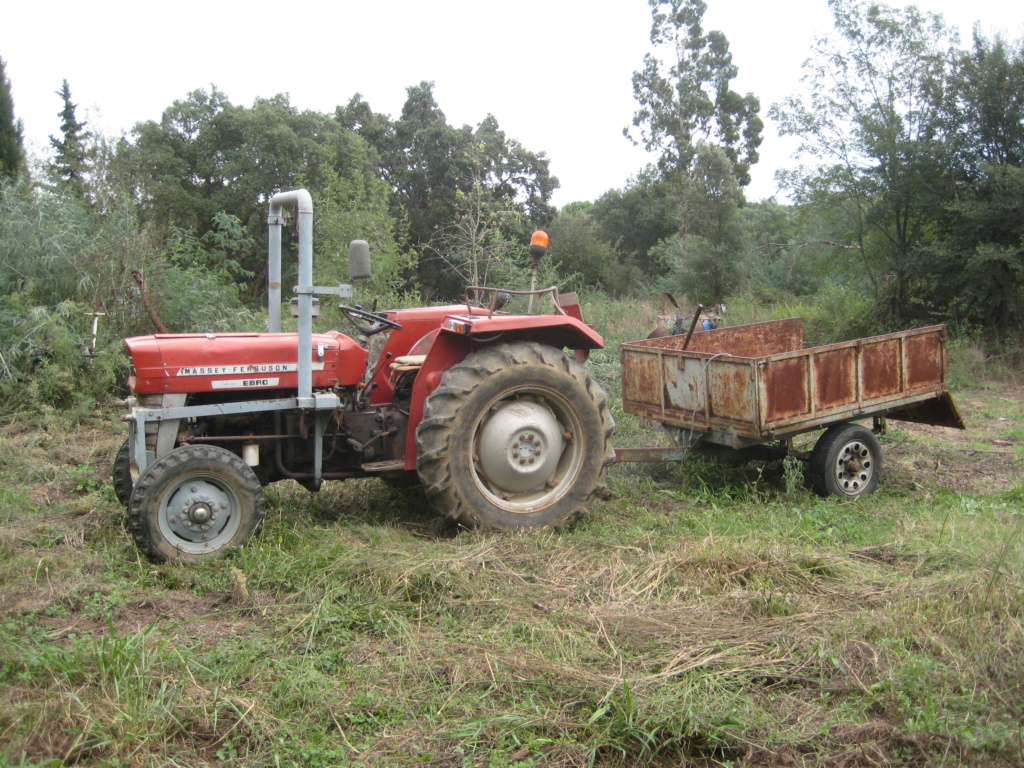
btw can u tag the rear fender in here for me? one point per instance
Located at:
(447, 350)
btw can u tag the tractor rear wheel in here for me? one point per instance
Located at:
(196, 502)
(123, 483)
(515, 436)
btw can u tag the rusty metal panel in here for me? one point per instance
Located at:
(880, 368)
(642, 377)
(686, 386)
(755, 340)
(731, 390)
(940, 412)
(834, 377)
(785, 388)
(926, 360)
(736, 396)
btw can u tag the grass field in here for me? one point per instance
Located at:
(703, 616)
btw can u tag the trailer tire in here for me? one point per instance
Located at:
(515, 436)
(122, 476)
(195, 503)
(846, 462)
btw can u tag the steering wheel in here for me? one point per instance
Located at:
(377, 324)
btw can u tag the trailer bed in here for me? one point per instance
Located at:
(749, 384)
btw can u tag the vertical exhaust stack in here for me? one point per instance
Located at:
(303, 202)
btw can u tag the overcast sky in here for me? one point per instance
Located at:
(555, 73)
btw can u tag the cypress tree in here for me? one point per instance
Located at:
(12, 151)
(71, 162)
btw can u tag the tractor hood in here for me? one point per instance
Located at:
(218, 362)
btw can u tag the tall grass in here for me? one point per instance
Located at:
(706, 615)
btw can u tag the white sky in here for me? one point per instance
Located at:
(555, 73)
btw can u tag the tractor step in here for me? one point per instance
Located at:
(376, 467)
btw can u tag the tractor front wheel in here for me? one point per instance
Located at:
(196, 502)
(515, 436)
(123, 483)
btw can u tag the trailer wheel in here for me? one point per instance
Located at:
(515, 436)
(122, 479)
(846, 462)
(196, 502)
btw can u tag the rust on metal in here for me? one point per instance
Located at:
(880, 368)
(787, 382)
(750, 383)
(634, 455)
(834, 382)
(926, 359)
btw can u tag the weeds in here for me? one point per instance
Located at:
(708, 614)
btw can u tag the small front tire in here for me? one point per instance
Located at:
(846, 462)
(122, 479)
(195, 503)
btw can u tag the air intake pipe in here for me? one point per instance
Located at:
(303, 202)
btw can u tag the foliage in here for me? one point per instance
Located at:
(584, 260)
(12, 150)
(439, 173)
(706, 136)
(357, 207)
(70, 164)
(868, 120)
(61, 262)
(635, 219)
(474, 247)
(43, 362)
(217, 251)
(207, 156)
(685, 99)
(981, 243)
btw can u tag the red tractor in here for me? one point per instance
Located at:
(485, 409)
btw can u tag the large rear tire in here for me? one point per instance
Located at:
(195, 503)
(846, 462)
(515, 436)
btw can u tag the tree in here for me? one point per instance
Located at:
(357, 205)
(981, 231)
(436, 170)
(71, 162)
(868, 118)
(12, 151)
(983, 105)
(710, 266)
(474, 245)
(206, 156)
(637, 218)
(685, 100)
(701, 129)
(583, 258)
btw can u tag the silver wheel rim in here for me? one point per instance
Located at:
(528, 449)
(854, 467)
(199, 514)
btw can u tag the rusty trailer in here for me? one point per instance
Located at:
(750, 385)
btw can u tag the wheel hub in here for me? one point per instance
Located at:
(197, 511)
(854, 468)
(518, 446)
(200, 513)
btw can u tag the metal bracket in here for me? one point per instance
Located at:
(342, 290)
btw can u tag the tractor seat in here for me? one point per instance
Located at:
(407, 363)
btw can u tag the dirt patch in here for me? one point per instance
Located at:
(987, 457)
